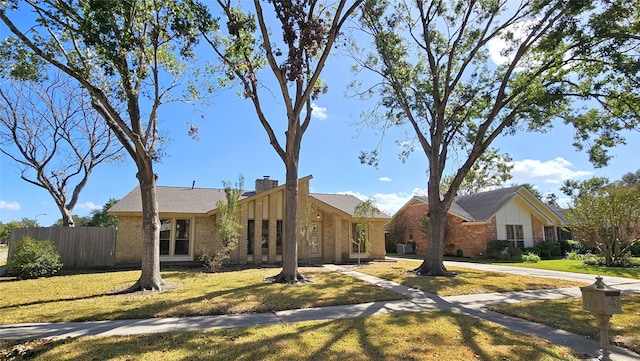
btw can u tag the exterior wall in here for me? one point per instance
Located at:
(514, 213)
(332, 226)
(205, 239)
(538, 230)
(129, 237)
(376, 239)
(413, 232)
(129, 240)
(468, 238)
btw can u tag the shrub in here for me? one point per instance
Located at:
(503, 250)
(550, 249)
(513, 254)
(593, 260)
(530, 258)
(34, 258)
(635, 249)
(535, 250)
(575, 256)
(214, 260)
(496, 248)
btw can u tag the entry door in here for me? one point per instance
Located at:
(314, 241)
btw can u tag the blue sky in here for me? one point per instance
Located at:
(232, 142)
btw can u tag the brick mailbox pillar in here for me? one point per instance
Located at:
(603, 302)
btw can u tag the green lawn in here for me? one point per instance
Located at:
(577, 266)
(82, 297)
(468, 281)
(449, 336)
(568, 314)
(436, 335)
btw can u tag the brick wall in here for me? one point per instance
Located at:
(471, 239)
(129, 240)
(538, 230)
(376, 239)
(413, 231)
(205, 238)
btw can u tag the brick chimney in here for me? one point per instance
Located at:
(265, 184)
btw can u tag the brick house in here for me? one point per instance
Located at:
(511, 213)
(326, 225)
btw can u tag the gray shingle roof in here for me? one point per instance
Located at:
(203, 200)
(174, 200)
(344, 202)
(481, 206)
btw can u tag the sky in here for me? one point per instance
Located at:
(232, 143)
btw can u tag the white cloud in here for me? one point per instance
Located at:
(88, 206)
(499, 50)
(318, 112)
(389, 203)
(12, 206)
(553, 171)
(384, 179)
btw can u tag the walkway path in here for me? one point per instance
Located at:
(416, 301)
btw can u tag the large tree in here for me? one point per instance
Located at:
(129, 56)
(462, 73)
(51, 131)
(606, 218)
(295, 57)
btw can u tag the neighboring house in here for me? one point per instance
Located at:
(511, 213)
(326, 225)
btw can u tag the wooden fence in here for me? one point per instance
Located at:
(79, 247)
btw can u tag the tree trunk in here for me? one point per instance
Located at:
(150, 278)
(433, 264)
(290, 272)
(67, 217)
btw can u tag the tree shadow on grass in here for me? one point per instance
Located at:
(441, 335)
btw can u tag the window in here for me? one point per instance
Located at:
(182, 237)
(279, 237)
(175, 237)
(265, 236)
(165, 236)
(250, 235)
(549, 233)
(515, 234)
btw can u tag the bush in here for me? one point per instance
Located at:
(34, 258)
(530, 258)
(635, 249)
(535, 250)
(593, 260)
(550, 249)
(496, 248)
(214, 260)
(575, 256)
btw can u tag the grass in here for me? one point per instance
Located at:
(568, 315)
(441, 335)
(468, 281)
(577, 266)
(3, 254)
(83, 297)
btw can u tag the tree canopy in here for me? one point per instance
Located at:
(51, 131)
(606, 217)
(130, 57)
(460, 74)
(290, 45)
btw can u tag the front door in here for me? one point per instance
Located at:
(314, 241)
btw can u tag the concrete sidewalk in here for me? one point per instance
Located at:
(416, 301)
